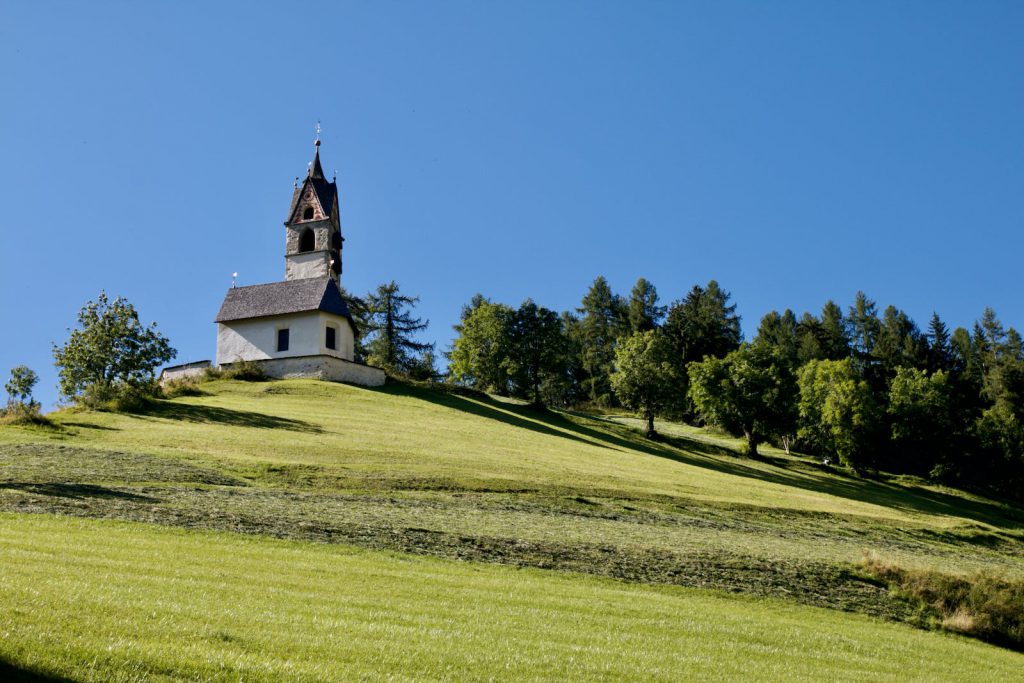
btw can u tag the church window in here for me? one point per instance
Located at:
(282, 339)
(332, 338)
(308, 213)
(307, 240)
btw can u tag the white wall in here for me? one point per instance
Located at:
(256, 339)
(307, 265)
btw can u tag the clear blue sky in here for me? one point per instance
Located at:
(793, 151)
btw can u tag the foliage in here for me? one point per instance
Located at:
(19, 389)
(984, 605)
(390, 328)
(643, 310)
(837, 412)
(111, 358)
(245, 370)
(480, 353)
(749, 390)
(923, 424)
(604, 317)
(537, 346)
(645, 377)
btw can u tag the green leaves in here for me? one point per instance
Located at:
(110, 350)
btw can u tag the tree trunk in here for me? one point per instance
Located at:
(751, 443)
(650, 425)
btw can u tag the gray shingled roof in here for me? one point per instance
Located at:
(280, 298)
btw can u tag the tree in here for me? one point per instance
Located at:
(836, 411)
(899, 343)
(360, 314)
(863, 326)
(645, 378)
(603, 319)
(644, 311)
(537, 350)
(834, 340)
(940, 349)
(110, 354)
(702, 324)
(780, 332)
(479, 355)
(749, 391)
(924, 428)
(19, 389)
(390, 327)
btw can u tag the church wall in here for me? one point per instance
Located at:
(310, 264)
(256, 339)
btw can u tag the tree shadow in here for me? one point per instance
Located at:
(19, 674)
(522, 416)
(189, 412)
(86, 425)
(78, 491)
(695, 452)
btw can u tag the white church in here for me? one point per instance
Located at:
(300, 326)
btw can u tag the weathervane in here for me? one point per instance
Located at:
(317, 142)
(234, 276)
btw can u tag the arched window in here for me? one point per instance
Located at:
(308, 213)
(307, 241)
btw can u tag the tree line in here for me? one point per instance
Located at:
(866, 389)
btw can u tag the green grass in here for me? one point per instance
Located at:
(428, 473)
(110, 601)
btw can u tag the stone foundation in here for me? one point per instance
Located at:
(326, 368)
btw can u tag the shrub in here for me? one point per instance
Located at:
(245, 370)
(983, 606)
(185, 386)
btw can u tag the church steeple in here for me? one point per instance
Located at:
(313, 230)
(316, 170)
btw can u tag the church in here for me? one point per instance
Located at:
(300, 326)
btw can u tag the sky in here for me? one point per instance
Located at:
(795, 152)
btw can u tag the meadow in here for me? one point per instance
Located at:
(296, 526)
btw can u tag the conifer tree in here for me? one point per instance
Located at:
(603, 319)
(644, 312)
(390, 327)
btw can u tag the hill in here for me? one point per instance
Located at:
(353, 483)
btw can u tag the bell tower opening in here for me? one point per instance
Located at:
(307, 240)
(313, 239)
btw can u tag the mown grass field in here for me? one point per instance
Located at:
(110, 601)
(198, 484)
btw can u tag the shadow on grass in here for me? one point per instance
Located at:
(525, 417)
(80, 491)
(594, 431)
(187, 412)
(86, 425)
(19, 674)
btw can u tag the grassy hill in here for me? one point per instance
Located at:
(298, 528)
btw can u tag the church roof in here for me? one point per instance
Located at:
(280, 298)
(326, 191)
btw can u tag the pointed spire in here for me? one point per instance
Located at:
(315, 169)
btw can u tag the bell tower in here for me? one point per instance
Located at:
(313, 230)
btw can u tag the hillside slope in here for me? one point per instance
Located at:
(432, 473)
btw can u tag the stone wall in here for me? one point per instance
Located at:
(174, 372)
(326, 368)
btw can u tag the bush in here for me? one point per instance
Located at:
(983, 606)
(245, 370)
(24, 414)
(186, 386)
(119, 398)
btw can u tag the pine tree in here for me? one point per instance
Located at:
(603, 319)
(835, 341)
(940, 352)
(644, 311)
(390, 327)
